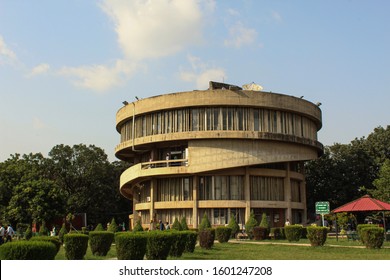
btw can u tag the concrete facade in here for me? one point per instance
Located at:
(222, 151)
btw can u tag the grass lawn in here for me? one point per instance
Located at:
(333, 250)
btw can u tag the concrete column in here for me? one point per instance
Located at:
(287, 193)
(153, 185)
(247, 194)
(195, 199)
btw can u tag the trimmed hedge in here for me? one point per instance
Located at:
(293, 233)
(206, 238)
(223, 234)
(260, 233)
(26, 250)
(75, 246)
(361, 226)
(317, 235)
(191, 238)
(179, 243)
(53, 239)
(130, 246)
(278, 233)
(372, 237)
(100, 242)
(159, 244)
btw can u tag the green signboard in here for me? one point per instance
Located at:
(322, 207)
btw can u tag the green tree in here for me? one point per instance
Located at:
(176, 225)
(113, 227)
(250, 224)
(205, 223)
(382, 183)
(233, 225)
(183, 223)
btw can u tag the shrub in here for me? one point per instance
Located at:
(138, 227)
(223, 234)
(62, 232)
(278, 233)
(206, 238)
(75, 246)
(183, 224)
(317, 235)
(43, 231)
(260, 233)
(84, 230)
(159, 245)
(21, 229)
(250, 224)
(264, 221)
(100, 242)
(191, 237)
(362, 226)
(293, 233)
(176, 225)
(113, 227)
(304, 232)
(179, 243)
(26, 250)
(28, 234)
(130, 246)
(372, 237)
(234, 226)
(99, 227)
(205, 223)
(52, 239)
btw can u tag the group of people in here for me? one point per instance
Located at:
(160, 225)
(6, 235)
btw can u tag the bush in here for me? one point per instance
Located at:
(26, 250)
(130, 246)
(234, 226)
(223, 234)
(278, 233)
(113, 227)
(206, 238)
(250, 224)
(138, 227)
(191, 237)
(372, 237)
(317, 235)
(205, 223)
(43, 231)
(362, 226)
(159, 245)
(176, 225)
(179, 243)
(52, 239)
(28, 234)
(293, 233)
(62, 232)
(21, 229)
(99, 227)
(260, 233)
(100, 242)
(183, 224)
(75, 246)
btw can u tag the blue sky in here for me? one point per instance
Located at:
(66, 66)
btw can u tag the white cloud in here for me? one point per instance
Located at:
(202, 73)
(39, 70)
(276, 16)
(152, 29)
(100, 77)
(240, 36)
(7, 56)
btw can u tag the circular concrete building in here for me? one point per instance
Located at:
(222, 151)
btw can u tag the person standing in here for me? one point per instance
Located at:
(2, 233)
(287, 223)
(10, 233)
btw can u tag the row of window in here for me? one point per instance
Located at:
(220, 216)
(221, 188)
(219, 118)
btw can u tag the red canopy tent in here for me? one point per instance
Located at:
(363, 204)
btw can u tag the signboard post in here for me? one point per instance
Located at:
(322, 208)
